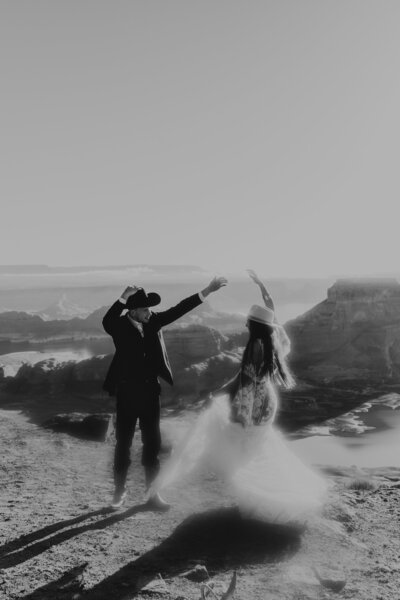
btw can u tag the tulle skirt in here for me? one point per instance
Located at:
(268, 481)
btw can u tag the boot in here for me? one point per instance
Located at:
(150, 475)
(120, 490)
(156, 502)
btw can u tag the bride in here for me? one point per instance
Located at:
(236, 438)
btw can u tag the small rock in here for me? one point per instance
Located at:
(155, 586)
(198, 573)
(332, 580)
(86, 426)
(385, 569)
(299, 574)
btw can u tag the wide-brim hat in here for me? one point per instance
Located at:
(262, 314)
(142, 300)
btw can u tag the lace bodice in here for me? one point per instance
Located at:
(255, 401)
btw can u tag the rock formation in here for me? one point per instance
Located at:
(18, 326)
(188, 344)
(63, 309)
(353, 334)
(197, 354)
(345, 351)
(198, 380)
(97, 427)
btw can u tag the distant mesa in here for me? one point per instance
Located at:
(50, 270)
(63, 309)
(207, 316)
(353, 334)
(370, 288)
(19, 326)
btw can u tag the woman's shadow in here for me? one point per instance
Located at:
(221, 539)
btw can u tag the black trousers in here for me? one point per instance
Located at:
(137, 402)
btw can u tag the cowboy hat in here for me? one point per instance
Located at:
(141, 299)
(262, 314)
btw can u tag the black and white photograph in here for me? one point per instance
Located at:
(200, 300)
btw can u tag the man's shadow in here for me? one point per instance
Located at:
(32, 544)
(221, 539)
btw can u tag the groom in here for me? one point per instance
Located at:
(140, 359)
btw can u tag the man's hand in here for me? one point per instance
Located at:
(214, 285)
(129, 291)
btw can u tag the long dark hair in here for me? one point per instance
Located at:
(263, 352)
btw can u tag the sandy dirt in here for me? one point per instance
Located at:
(60, 540)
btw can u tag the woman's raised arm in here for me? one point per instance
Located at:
(269, 303)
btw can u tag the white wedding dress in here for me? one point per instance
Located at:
(237, 440)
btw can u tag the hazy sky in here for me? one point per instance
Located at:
(226, 134)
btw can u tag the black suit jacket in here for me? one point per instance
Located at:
(134, 354)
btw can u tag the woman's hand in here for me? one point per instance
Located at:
(269, 303)
(254, 277)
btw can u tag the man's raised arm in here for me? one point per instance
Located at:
(172, 314)
(111, 318)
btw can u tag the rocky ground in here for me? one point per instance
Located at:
(59, 540)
